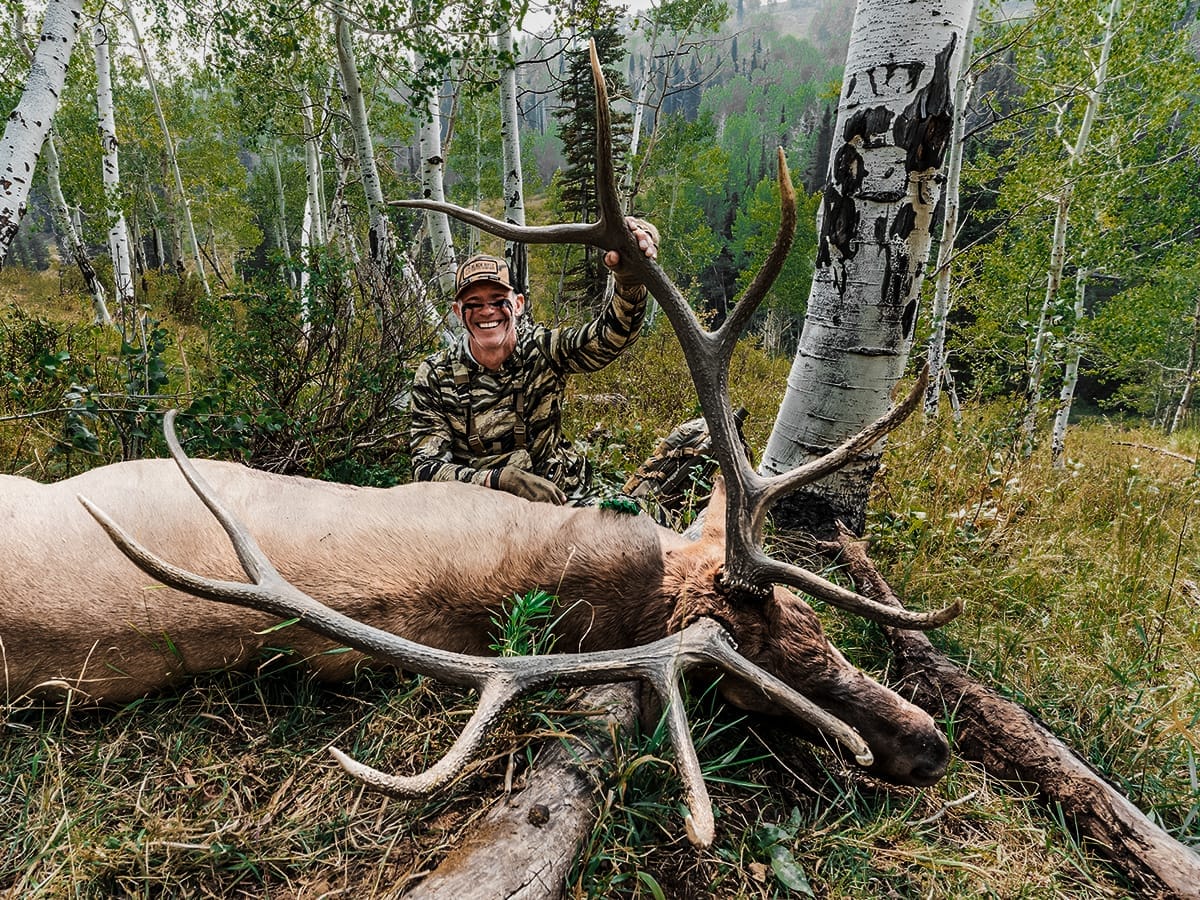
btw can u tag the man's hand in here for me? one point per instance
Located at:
(530, 486)
(646, 236)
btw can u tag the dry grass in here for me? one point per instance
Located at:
(1072, 581)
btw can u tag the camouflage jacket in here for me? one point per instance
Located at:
(468, 422)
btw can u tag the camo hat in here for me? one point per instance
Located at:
(482, 268)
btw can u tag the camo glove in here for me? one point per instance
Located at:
(526, 484)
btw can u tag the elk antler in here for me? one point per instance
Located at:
(750, 495)
(499, 681)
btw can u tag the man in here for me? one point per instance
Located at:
(488, 410)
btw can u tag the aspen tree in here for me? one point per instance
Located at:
(29, 123)
(893, 129)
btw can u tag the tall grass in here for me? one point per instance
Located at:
(1073, 583)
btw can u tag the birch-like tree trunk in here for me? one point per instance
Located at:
(1058, 242)
(312, 170)
(106, 123)
(29, 123)
(433, 169)
(894, 122)
(936, 355)
(74, 243)
(514, 180)
(380, 237)
(169, 144)
(60, 211)
(1189, 374)
(1058, 437)
(282, 226)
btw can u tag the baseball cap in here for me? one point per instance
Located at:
(482, 268)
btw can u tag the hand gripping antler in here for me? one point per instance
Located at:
(750, 495)
(499, 681)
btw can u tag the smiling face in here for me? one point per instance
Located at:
(489, 312)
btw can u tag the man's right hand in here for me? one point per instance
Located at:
(531, 487)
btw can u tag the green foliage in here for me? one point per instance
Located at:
(322, 399)
(1129, 212)
(525, 626)
(586, 274)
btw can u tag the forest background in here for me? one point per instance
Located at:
(250, 304)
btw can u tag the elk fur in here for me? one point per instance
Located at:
(430, 562)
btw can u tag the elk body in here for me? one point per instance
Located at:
(414, 575)
(434, 563)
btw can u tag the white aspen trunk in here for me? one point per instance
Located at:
(71, 237)
(1189, 375)
(941, 297)
(1058, 437)
(312, 171)
(1058, 245)
(118, 238)
(306, 242)
(639, 112)
(282, 226)
(382, 252)
(895, 117)
(60, 211)
(29, 123)
(380, 229)
(514, 180)
(433, 168)
(169, 145)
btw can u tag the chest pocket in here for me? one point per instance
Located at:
(499, 429)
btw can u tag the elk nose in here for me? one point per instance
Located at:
(930, 766)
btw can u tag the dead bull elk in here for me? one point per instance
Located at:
(413, 575)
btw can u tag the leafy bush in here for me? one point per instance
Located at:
(322, 398)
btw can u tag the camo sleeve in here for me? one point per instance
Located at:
(431, 438)
(592, 346)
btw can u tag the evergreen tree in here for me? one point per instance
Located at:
(586, 276)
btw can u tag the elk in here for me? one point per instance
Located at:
(412, 576)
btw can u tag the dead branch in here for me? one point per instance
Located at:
(1012, 744)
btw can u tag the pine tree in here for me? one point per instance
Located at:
(586, 276)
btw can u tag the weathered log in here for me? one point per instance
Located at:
(1013, 745)
(523, 847)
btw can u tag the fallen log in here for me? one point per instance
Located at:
(1013, 745)
(523, 847)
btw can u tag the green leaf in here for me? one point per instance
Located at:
(788, 872)
(652, 885)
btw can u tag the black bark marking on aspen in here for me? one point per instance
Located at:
(880, 229)
(870, 125)
(851, 84)
(909, 318)
(905, 221)
(848, 170)
(839, 222)
(923, 129)
(874, 86)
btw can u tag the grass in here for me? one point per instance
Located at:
(1073, 584)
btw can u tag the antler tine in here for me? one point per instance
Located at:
(773, 570)
(499, 681)
(564, 233)
(608, 200)
(731, 330)
(780, 485)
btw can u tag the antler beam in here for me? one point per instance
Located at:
(499, 681)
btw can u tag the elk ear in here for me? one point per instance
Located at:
(714, 516)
